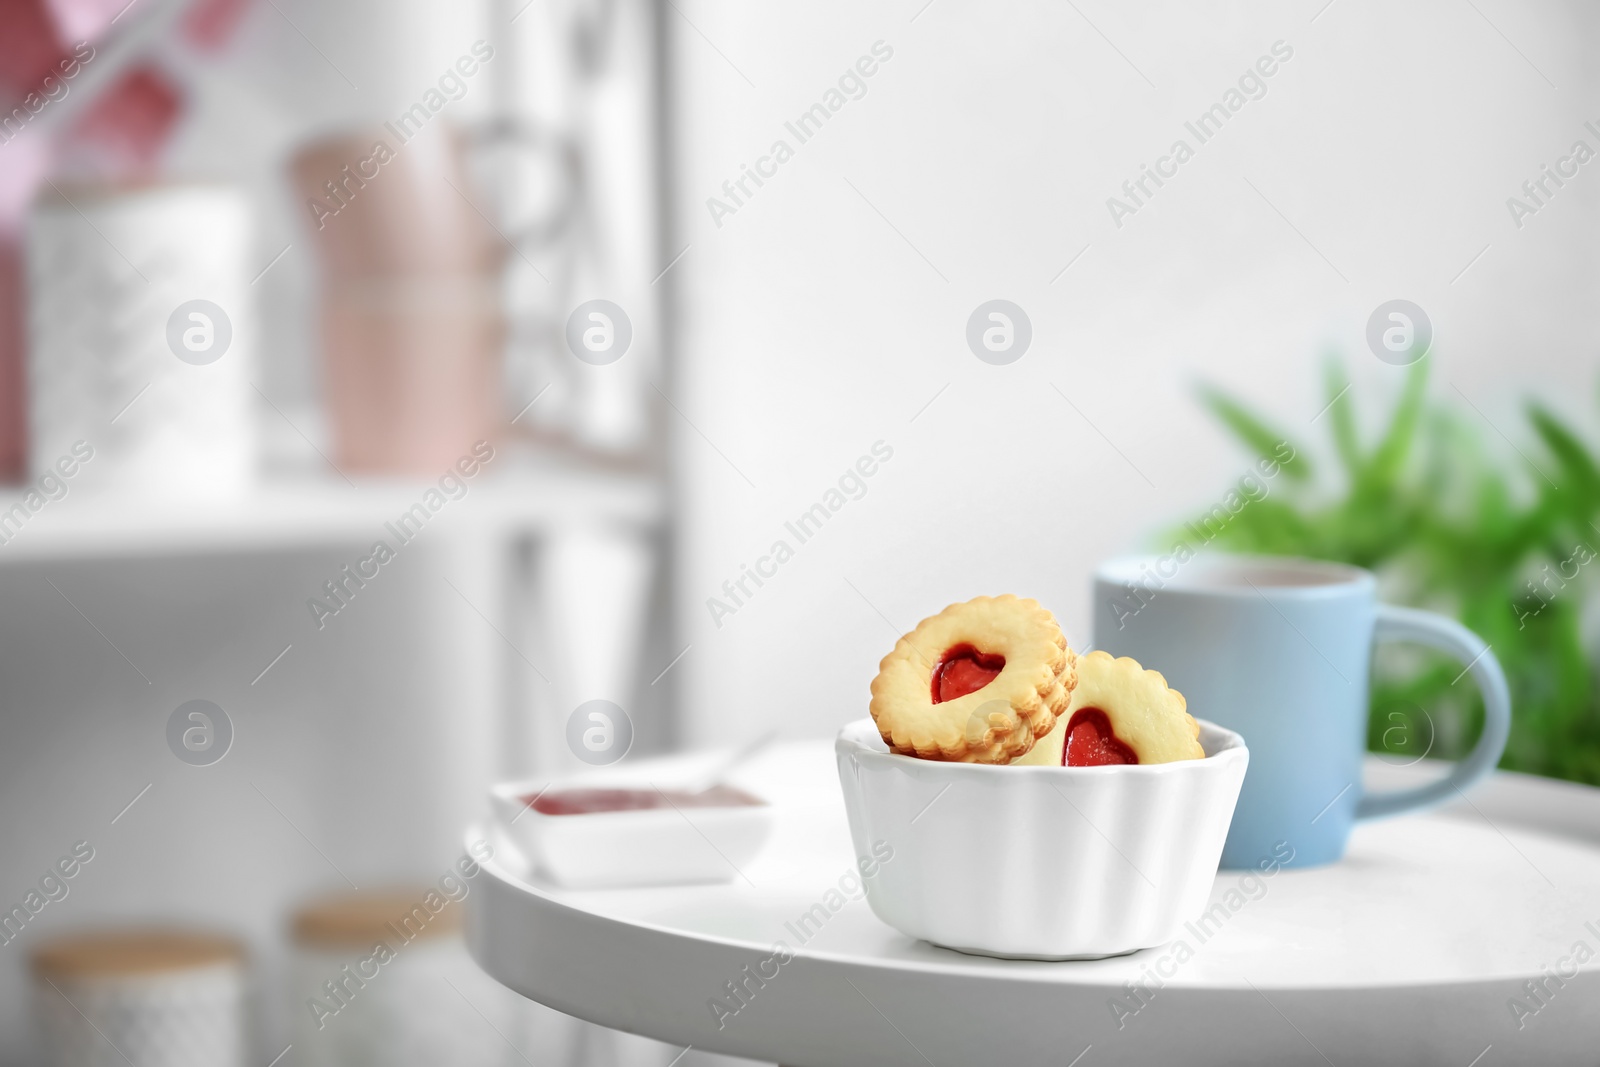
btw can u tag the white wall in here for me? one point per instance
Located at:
(990, 141)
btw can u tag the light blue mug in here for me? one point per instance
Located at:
(1280, 650)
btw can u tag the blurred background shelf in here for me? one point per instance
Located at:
(231, 395)
(530, 496)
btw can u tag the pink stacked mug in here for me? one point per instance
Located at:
(411, 327)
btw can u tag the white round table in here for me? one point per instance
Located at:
(1440, 938)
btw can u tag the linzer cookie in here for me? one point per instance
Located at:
(1120, 713)
(979, 682)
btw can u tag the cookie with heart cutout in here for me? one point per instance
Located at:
(1119, 713)
(977, 683)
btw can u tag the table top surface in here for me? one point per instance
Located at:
(1488, 894)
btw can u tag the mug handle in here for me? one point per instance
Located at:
(1446, 635)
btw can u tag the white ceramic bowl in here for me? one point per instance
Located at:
(656, 846)
(1047, 863)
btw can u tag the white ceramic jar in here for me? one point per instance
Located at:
(140, 342)
(154, 998)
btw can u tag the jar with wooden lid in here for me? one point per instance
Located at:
(385, 978)
(153, 997)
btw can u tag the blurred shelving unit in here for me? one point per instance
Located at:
(371, 740)
(533, 497)
(362, 745)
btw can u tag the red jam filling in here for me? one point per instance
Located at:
(962, 670)
(593, 801)
(1092, 743)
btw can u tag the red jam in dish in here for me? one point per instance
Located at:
(594, 801)
(962, 670)
(1092, 743)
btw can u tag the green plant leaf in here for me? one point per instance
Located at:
(1342, 416)
(1580, 476)
(1396, 443)
(1255, 432)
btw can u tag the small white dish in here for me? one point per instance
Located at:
(668, 845)
(1045, 863)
